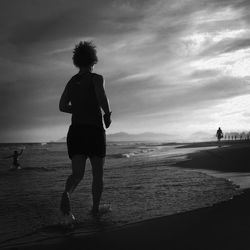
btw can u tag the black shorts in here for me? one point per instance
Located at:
(86, 140)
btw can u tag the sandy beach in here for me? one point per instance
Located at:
(225, 225)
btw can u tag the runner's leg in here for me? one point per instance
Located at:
(78, 169)
(97, 164)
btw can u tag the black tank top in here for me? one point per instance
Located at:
(85, 107)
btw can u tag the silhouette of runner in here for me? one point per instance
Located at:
(15, 164)
(219, 134)
(84, 97)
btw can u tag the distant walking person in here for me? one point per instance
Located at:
(219, 134)
(84, 97)
(15, 156)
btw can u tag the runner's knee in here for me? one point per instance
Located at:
(77, 175)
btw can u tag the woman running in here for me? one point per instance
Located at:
(84, 97)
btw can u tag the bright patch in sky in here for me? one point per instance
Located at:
(229, 113)
(234, 63)
(240, 68)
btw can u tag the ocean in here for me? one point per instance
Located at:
(140, 178)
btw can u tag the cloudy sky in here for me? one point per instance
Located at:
(170, 66)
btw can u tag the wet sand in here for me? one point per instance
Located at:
(222, 226)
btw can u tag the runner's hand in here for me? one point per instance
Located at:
(107, 119)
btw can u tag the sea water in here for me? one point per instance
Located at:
(140, 179)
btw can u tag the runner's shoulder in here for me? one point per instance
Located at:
(98, 76)
(73, 79)
(98, 79)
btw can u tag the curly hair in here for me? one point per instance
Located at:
(84, 54)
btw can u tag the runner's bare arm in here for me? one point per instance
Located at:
(64, 104)
(102, 99)
(101, 95)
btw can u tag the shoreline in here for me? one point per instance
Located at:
(220, 162)
(224, 225)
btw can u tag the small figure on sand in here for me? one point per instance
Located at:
(219, 134)
(15, 156)
(84, 97)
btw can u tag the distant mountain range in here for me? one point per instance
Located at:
(146, 136)
(202, 136)
(122, 136)
(151, 136)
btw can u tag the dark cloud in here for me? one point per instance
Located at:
(226, 46)
(220, 88)
(217, 4)
(79, 19)
(212, 92)
(201, 74)
(237, 44)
